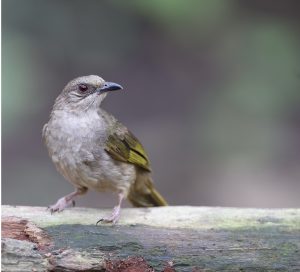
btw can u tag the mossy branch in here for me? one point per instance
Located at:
(153, 239)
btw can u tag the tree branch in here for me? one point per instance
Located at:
(153, 239)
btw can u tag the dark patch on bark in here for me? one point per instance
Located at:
(131, 264)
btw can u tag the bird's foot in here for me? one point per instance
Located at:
(113, 218)
(61, 204)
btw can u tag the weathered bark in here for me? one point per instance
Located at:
(154, 239)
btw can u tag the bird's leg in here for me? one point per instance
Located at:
(114, 217)
(67, 200)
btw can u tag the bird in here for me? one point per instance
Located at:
(93, 150)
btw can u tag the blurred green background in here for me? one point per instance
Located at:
(211, 90)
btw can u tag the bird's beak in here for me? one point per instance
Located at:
(109, 86)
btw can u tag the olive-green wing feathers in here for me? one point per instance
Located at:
(124, 146)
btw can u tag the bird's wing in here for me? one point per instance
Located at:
(122, 145)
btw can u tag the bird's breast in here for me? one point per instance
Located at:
(71, 139)
(76, 146)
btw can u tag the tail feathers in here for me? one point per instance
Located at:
(144, 194)
(157, 198)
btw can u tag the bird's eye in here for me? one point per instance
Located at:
(83, 88)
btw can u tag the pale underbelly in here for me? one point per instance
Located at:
(109, 175)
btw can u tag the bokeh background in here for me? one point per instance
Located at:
(211, 90)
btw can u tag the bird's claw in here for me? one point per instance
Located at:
(113, 218)
(49, 208)
(107, 220)
(60, 205)
(100, 220)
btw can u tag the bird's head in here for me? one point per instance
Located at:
(84, 93)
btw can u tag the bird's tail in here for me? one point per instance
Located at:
(143, 193)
